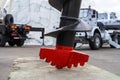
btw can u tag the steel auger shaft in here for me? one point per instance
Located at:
(64, 55)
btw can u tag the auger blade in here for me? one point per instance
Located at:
(63, 58)
(79, 26)
(58, 4)
(77, 58)
(64, 55)
(56, 57)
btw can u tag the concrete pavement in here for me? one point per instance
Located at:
(106, 58)
(36, 69)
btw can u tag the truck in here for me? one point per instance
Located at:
(13, 34)
(101, 33)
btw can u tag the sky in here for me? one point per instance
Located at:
(103, 5)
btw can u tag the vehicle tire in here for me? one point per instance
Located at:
(2, 40)
(95, 42)
(116, 39)
(11, 43)
(20, 43)
(8, 19)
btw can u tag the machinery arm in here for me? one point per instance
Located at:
(64, 55)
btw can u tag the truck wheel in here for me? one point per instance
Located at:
(20, 43)
(95, 42)
(2, 40)
(8, 19)
(116, 39)
(11, 43)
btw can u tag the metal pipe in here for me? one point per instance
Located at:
(71, 8)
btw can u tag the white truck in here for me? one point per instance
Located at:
(101, 33)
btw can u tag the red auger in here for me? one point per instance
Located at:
(64, 55)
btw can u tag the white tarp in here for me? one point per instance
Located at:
(2, 3)
(37, 13)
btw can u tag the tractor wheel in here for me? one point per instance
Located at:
(11, 43)
(95, 42)
(2, 40)
(8, 19)
(20, 43)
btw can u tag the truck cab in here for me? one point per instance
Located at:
(89, 15)
(93, 37)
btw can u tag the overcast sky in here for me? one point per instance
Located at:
(103, 5)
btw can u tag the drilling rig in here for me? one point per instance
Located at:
(64, 55)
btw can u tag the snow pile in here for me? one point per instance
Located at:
(37, 13)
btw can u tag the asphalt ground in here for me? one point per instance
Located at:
(106, 58)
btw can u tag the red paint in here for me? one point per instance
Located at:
(63, 56)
